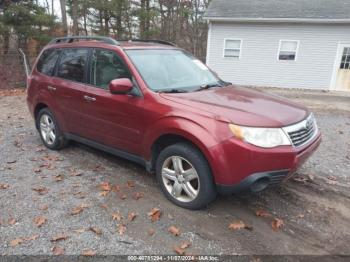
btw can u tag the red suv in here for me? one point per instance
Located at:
(157, 105)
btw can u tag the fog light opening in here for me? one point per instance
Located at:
(260, 184)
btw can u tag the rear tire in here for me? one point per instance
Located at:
(49, 130)
(184, 176)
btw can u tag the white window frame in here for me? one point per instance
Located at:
(296, 51)
(240, 48)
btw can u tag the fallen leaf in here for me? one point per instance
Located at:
(37, 170)
(137, 195)
(174, 230)
(39, 221)
(105, 186)
(262, 213)
(12, 221)
(11, 161)
(104, 206)
(32, 237)
(57, 251)
(59, 238)
(116, 188)
(180, 251)
(333, 178)
(41, 190)
(4, 186)
(122, 196)
(151, 232)
(117, 216)
(185, 244)
(89, 253)
(132, 216)
(239, 225)
(154, 214)
(76, 173)
(43, 207)
(96, 230)
(16, 242)
(19, 241)
(80, 230)
(277, 223)
(104, 193)
(300, 216)
(121, 229)
(76, 210)
(59, 178)
(130, 184)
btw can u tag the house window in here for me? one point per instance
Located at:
(232, 48)
(288, 50)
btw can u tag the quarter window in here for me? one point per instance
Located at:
(232, 48)
(288, 50)
(47, 61)
(72, 64)
(106, 66)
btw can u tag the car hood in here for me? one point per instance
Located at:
(243, 106)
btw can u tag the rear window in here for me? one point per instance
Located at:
(47, 61)
(72, 64)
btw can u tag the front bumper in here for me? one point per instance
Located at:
(242, 167)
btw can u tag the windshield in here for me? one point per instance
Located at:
(172, 70)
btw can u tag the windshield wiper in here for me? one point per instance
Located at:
(207, 86)
(174, 90)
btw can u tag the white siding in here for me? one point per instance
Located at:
(259, 63)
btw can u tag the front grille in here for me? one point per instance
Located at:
(303, 132)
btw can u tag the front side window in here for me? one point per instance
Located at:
(72, 64)
(47, 61)
(232, 48)
(106, 66)
(288, 50)
(165, 70)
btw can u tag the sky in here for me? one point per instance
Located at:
(56, 5)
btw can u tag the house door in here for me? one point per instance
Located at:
(342, 74)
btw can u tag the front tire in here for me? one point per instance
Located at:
(49, 130)
(184, 176)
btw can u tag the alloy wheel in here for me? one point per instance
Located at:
(47, 129)
(180, 178)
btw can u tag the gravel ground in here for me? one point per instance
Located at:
(38, 186)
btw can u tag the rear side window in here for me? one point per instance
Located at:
(72, 64)
(47, 61)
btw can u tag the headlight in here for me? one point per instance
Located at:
(262, 137)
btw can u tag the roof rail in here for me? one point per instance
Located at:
(151, 41)
(70, 39)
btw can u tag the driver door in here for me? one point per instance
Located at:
(113, 120)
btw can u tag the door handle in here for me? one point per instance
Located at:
(89, 98)
(51, 88)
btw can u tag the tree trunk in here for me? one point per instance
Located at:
(64, 16)
(75, 17)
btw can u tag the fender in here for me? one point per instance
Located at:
(175, 125)
(44, 97)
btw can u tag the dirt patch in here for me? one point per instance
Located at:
(84, 198)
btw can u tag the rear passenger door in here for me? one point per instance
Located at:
(69, 87)
(114, 120)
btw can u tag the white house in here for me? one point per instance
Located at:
(281, 43)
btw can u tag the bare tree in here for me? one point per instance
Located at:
(75, 17)
(64, 16)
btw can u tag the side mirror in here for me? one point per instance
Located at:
(120, 86)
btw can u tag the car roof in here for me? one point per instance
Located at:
(128, 44)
